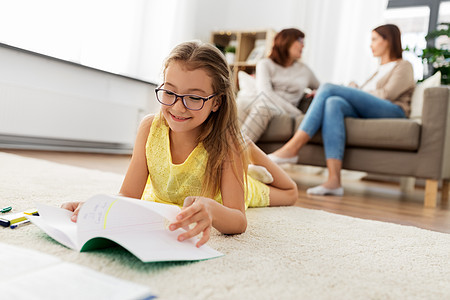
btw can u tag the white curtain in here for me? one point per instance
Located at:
(337, 44)
(132, 37)
(338, 37)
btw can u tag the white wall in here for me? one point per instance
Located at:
(48, 99)
(337, 31)
(136, 36)
(133, 37)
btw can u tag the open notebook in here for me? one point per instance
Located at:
(138, 226)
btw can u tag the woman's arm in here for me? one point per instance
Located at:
(137, 174)
(314, 83)
(400, 80)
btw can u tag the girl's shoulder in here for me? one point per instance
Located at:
(148, 120)
(146, 124)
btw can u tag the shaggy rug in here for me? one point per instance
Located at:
(286, 252)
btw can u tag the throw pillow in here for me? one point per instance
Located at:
(247, 84)
(417, 96)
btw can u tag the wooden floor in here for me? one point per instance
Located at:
(365, 199)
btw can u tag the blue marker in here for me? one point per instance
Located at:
(18, 224)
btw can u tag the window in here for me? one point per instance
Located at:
(444, 17)
(412, 17)
(413, 23)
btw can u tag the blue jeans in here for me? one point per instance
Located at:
(332, 104)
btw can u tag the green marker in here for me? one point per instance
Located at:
(6, 209)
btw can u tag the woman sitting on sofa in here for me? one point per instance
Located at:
(386, 94)
(280, 83)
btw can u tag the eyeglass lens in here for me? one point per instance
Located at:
(190, 101)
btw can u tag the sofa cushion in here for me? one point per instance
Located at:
(280, 129)
(417, 96)
(400, 134)
(397, 134)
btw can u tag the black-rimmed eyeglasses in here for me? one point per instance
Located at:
(191, 102)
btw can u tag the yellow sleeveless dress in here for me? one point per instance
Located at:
(171, 183)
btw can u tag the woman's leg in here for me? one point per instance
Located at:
(291, 148)
(347, 102)
(309, 126)
(334, 136)
(333, 126)
(334, 167)
(365, 105)
(283, 190)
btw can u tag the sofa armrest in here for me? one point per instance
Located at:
(434, 149)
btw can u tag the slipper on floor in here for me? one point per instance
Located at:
(283, 160)
(323, 191)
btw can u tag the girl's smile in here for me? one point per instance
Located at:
(181, 80)
(179, 118)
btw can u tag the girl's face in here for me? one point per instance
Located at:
(180, 80)
(379, 45)
(296, 49)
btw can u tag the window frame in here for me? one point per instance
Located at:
(433, 5)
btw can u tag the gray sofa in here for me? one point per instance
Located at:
(400, 147)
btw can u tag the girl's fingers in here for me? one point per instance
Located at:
(74, 217)
(71, 206)
(188, 201)
(187, 212)
(197, 217)
(200, 227)
(194, 212)
(205, 237)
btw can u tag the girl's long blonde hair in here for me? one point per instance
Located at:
(220, 132)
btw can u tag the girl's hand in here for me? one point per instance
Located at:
(195, 210)
(73, 206)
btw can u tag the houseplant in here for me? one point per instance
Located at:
(438, 58)
(230, 53)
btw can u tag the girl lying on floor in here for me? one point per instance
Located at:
(192, 153)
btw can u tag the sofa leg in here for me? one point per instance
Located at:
(445, 192)
(431, 190)
(407, 184)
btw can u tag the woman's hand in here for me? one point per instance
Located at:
(195, 210)
(73, 206)
(353, 85)
(311, 94)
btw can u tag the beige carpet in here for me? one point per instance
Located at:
(286, 253)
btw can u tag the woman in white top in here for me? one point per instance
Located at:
(281, 80)
(387, 94)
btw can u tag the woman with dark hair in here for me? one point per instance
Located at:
(281, 80)
(386, 94)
